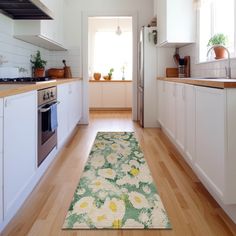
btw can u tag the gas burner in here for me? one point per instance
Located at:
(31, 80)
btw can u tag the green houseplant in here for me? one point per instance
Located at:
(216, 41)
(109, 75)
(38, 64)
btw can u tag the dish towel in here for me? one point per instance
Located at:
(53, 123)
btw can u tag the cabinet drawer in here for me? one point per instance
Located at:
(1, 107)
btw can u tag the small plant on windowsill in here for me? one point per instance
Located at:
(216, 41)
(109, 75)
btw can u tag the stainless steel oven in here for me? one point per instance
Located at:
(47, 136)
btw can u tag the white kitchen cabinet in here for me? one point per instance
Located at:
(210, 137)
(48, 34)
(20, 148)
(113, 95)
(1, 160)
(161, 101)
(69, 110)
(175, 22)
(110, 95)
(180, 116)
(190, 117)
(95, 95)
(128, 95)
(63, 123)
(170, 108)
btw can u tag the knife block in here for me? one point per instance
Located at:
(187, 66)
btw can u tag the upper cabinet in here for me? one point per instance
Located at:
(47, 34)
(175, 22)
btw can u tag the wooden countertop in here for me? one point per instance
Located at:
(114, 81)
(214, 83)
(13, 89)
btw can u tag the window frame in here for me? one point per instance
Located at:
(212, 23)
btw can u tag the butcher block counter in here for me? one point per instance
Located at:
(13, 89)
(206, 82)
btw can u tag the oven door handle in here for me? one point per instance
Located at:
(42, 110)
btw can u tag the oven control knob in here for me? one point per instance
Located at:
(52, 95)
(44, 97)
(48, 95)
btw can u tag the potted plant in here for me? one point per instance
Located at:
(109, 75)
(38, 64)
(216, 41)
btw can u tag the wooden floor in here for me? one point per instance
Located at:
(191, 209)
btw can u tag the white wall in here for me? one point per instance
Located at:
(77, 13)
(16, 52)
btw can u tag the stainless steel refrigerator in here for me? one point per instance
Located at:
(147, 77)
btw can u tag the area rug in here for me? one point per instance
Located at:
(116, 189)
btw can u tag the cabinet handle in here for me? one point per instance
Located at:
(5, 103)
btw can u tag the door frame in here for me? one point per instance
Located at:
(84, 53)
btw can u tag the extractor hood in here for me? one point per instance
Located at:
(25, 10)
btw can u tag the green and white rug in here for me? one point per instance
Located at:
(116, 189)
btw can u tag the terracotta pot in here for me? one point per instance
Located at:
(107, 77)
(38, 72)
(97, 76)
(220, 52)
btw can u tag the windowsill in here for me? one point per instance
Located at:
(213, 61)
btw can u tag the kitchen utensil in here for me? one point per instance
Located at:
(172, 72)
(176, 57)
(67, 70)
(56, 73)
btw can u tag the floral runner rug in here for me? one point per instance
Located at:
(116, 189)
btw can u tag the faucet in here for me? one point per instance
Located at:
(227, 69)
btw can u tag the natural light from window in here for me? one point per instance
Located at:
(113, 51)
(216, 16)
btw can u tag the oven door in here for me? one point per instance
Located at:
(47, 139)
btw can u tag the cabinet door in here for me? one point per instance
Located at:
(170, 108)
(180, 115)
(161, 19)
(190, 122)
(210, 137)
(128, 92)
(1, 187)
(20, 142)
(79, 100)
(113, 95)
(63, 123)
(160, 101)
(95, 95)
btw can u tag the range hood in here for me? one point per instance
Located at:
(25, 10)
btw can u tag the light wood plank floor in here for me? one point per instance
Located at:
(190, 207)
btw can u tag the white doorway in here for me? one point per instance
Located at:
(89, 67)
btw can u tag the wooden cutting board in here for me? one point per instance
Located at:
(172, 72)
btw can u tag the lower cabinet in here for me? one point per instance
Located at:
(210, 137)
(180, 115)
(20, 148)
(1, 187)
(110, 94)
(201, 123)
(70, 108)
(1, 160)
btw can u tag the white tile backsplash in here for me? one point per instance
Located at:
(208, 69)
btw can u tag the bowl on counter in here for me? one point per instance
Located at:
(56, 73)
(97, 76)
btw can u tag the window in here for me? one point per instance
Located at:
(113, 51)
(216, 16)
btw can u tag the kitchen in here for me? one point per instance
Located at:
(191, 208)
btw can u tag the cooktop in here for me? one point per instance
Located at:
(26, 80)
